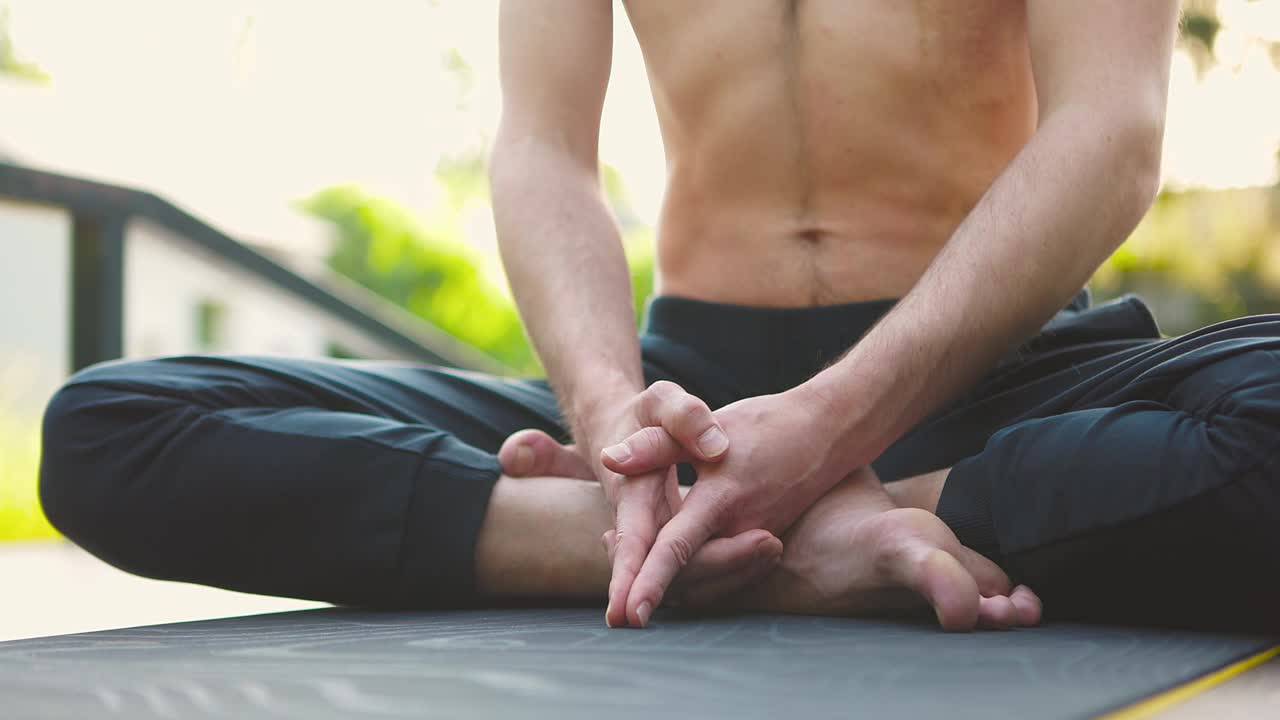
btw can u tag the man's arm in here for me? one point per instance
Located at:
(1069, 198)
(564, 259)
(559, 242)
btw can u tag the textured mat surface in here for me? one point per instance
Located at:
(565, 664)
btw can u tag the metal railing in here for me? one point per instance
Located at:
(99, 215)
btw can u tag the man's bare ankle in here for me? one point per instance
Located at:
(541, 537)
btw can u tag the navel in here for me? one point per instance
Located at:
(810, 237)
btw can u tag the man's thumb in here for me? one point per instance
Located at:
(646, 450)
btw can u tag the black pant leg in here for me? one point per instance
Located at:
(358, 483)
(1148, 492)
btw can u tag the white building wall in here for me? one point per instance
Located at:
(35, 304)
(168, 278)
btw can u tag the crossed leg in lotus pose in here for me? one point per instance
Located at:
(855, 552)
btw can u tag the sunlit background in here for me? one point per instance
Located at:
(348, 137)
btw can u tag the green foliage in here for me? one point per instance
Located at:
(10, 62)
(638, 244)
(426, 270)
(1200, 27)
(427, 267)
(20, 514)
(1200, 257)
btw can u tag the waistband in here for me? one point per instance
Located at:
(764, 349)
(770, 349)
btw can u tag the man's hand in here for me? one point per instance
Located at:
(778, 467)
(662, 416)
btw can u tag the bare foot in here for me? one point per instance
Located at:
(855, 552)
(542, 532)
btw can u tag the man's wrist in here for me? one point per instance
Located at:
(599, 400)
(595, 419)
(844, 416)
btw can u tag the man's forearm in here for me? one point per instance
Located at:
(1059, 209)
(565, 262)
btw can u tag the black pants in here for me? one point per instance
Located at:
(1124, 477)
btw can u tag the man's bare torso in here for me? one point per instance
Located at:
(822, 151)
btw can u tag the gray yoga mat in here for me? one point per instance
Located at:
(563, 663)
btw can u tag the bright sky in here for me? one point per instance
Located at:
(236, 108)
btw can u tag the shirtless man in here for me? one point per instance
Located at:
(876, 220)
(821, 152)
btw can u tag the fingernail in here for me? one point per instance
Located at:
(643, 613)
(524, 460)
(608, 612)
(713, 442)
(768, 547)
(619, 453)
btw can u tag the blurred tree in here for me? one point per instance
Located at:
(431, 273)
(1201, 256)
(10, 62)
(1198, 30)
(427, 266)
(20, 515)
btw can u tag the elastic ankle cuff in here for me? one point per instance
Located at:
(446, 510)
(965, 506)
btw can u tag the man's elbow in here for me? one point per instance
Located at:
(521, 155)
(510, 155)
(1137, 140)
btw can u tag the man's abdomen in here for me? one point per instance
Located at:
(822, 152)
